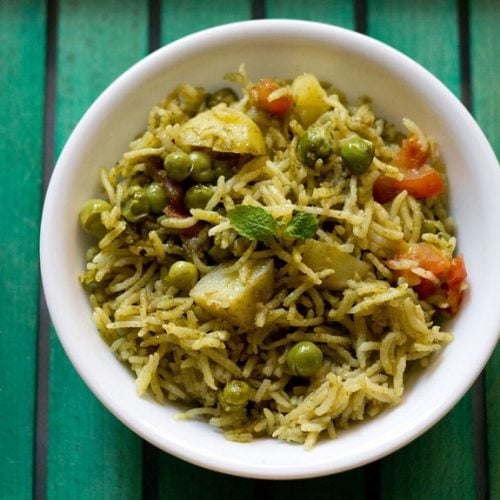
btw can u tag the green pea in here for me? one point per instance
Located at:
(197, 196)
(177, 166)
(135, 208)
(223, 168)
(156, 197)
(304, 358)
(183, 275)
(357, 155)
(235, 394)
(219, 254)
(226, 95)
(314, 144)
(201, 167)
(90, 217)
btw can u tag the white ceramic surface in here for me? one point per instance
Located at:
(358, 65)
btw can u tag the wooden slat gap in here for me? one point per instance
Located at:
(43, 340)
(258, 9)
(360, 16)
(154, 34)
(478, 396)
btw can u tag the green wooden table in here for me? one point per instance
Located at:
(56, 440)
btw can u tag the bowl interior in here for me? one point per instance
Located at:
(358, 66)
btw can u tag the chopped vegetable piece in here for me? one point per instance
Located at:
(454, 286)
(260, 95)
(411, 155)
(451, 273)
(254, 223)
(226, 130)
(319, 256)
(425, 182)
(310, 99)
(420, 180)
(225, 295)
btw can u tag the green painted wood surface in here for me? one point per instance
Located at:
(339, 13)
(22, 32)
(441, 462)
(485, 67)
(188, 16)
(90, 453)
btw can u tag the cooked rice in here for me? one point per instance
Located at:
(370, 332)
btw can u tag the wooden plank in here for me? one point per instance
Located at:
(418, 30)
(182, 18)
(90, 453)
(179, 480)
(22, 58)
(484, 22)
(492, 384)
(339, 13)
(440, 464)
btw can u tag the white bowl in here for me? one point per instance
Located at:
(358, 65)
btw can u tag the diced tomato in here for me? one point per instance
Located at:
(424, 182)
(411, 155)
(453, 284)
(427, 257)
(458, 273)
(188, 232)
(260, 93)
(420, 180)
(425, 288)
(451, 273)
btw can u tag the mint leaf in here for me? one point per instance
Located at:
(303, 225)
(253, 223)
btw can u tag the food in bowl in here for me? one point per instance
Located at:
(273, 256)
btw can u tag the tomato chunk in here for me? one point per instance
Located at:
(451, 273)
(453, 286)
(425, 182)
(420, 180)
(427, 257)
(260, 93)
(411, 155)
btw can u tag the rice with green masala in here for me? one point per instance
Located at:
(273, 258)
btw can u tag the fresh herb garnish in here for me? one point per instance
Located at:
(256, 223)
(303, 225)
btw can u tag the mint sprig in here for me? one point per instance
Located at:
(254, 223)
(303, 225)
